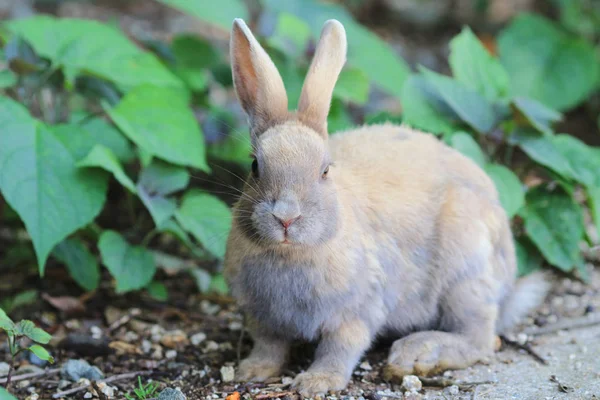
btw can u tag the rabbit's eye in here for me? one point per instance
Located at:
(325, 172)
(255, 168)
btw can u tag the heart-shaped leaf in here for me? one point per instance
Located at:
(465, 143)
(132, 267)
(509, 188)
(103, 157)
(160, 122)
(28, 328)
(39, 180)
(82, 265)
(207, 218)
(546, 63)
(477, 69)
(554, 222)
(90, 46)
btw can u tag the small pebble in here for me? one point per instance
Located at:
(146, 346)
(33, 396)
(96, 332)
(235, 326)
(88, 395)
(4, 367)
(411, 382)
(156, 333)
(453, 390)
(23, 384)
(412, 396)
(157, 354)
(171, 394)
(286, 380)
(174, 339)
(211, 346)
(74, 370)
(366, 366)
(227, 374)
(522, 338)
(225, 346)
(131, 337)
(171, 354)
(551, 319)
(198, 338)
(209, 308)
(109, 391)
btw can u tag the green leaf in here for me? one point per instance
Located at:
(6, 323)
(291, 35)
(160, 122)
(5, 395)
(554, 222)
(42, 353)
(470, 106)
(106, 134)
(28, 328)
(87, 46)
(207, 218)
(158, 291)
(536, 114)
(339, 119)
(23, 298)
(103, 157)
(132, 267)
(476, 68)
(7, 79)
(221, 14)
(509, 188)
(594, 203)
(583, 159)
(366, 50)
(236, 147)
(352, 86)
(218, 285)
(383, 117)
(424, 109)
(163, 178)
(543, 150)
(82, 265)
(40, 181)
(193, 57)
(546, 63)
(528, 258)
(157, 181)
(21, 57)
(465, 143)
(202, 278)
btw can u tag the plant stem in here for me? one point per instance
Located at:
(10, 371)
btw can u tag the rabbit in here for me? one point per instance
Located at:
(377, 231)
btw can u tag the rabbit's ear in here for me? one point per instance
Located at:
(326, 65)
(257, 82)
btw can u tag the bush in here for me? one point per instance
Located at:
(100, 136)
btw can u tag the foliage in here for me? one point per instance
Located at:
(143, 392)
(134, 144)
(21, 330)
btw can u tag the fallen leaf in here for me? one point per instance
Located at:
(233, 396)
(124, 348)
(67, 304)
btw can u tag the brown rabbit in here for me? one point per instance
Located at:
(381, 230)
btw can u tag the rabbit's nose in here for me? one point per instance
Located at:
(287, 222)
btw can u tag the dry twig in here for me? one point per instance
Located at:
(445, 382)
(526, 347)
(114, 378)
(273, 395)
(32, 375)
(565, 324)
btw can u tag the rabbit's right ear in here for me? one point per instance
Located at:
(257, 82)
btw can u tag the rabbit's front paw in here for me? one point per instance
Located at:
(313, 383)
(257, 370)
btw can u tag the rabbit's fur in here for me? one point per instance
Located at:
(403, 236)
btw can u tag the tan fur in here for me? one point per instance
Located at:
(402, 236)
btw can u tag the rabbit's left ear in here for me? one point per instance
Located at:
(330, 57)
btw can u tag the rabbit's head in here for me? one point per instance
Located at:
(289, 199)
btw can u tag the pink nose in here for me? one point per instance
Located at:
(287, 222)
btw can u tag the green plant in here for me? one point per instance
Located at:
(109, 150)
(493, 108)
(91, 111)
(143, 392)
(17, 332)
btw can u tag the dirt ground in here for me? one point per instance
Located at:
(191, 341)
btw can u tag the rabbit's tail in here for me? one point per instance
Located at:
(528, 293)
